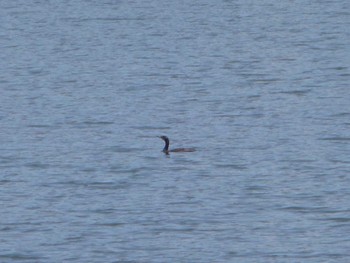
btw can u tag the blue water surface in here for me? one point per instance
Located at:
(259, 88)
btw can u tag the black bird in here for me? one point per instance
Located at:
(166, 147)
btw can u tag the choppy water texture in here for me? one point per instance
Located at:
(260, 88)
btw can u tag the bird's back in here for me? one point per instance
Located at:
(183, 150)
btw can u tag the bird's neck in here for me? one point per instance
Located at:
(166, 147)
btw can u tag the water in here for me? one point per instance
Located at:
(260, 88)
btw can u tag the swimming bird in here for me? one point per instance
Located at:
(166, 147)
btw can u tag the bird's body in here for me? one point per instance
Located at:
(167, 143)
